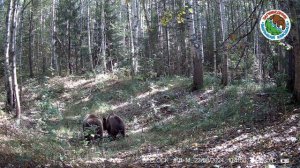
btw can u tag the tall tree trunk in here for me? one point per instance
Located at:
(69, 48)
(134, 33)
(14, 64)
(103, 36)
(54, 59)
(290, 68)
(200, 32)
(224, 33)
(295, 14)
(44, 66)
(159, 60)
(30, 54)
(151, 45)
(135, 61)
(7, 68)
(131, 38)
(89, 38)
(184, 60)
(81, 37)
(214, 42)
(196, 55)
(20, 53)
(167, 44)
(257, 52)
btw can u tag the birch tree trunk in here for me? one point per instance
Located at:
(69, 47)
(20, 53)
(14, 64)
(224, 33)
(42, 22)
(159, 60)
(214, 41)
(196, 55)
(167, 37)
(7, 68)
(258, 55)
(103, 36)
(81, 37)
(54, 59)
(136, 38)
(131, 41)
(133, 26)
(30, 54)
(89, 37)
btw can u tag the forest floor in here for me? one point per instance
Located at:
(245, 124)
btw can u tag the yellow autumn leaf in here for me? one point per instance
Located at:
(233, 37)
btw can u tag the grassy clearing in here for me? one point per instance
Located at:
(236, 106)
(161, 113)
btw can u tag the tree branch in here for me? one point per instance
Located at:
(25, 6)
(236, 29)
(242, 55)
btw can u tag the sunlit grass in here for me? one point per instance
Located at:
(190, 115)
(64, 132)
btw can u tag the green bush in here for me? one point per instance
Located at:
(210, 80)
(280, 79)
(49, 110)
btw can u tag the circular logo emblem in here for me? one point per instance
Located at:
(275, 25)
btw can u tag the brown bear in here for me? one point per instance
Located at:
(92, 127)
(114, 125)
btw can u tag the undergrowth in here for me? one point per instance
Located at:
(58, 135)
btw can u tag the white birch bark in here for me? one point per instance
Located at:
(7, 67)
(54, 59)
(224, 27)
(14, 65)
(89, 37)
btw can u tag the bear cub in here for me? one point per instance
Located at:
(114, 125)
(92, 127)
